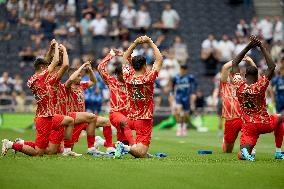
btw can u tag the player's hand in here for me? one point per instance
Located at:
(62, 48)
(52, 43)
(138, 40)
(86, 64)
(118, 52)
(146, 39)
(254, 41)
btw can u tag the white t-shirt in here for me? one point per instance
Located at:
(143, 19)
(206, 44)
(170, 18)
(226, 48)
(99, 26)
(278, 31)
(114, 9)
(127, 17)
(266, 28)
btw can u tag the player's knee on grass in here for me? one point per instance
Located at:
(52, 149)
(227, 147)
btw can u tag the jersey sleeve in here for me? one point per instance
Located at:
(102, 68)
(261, 84)
(237, 80)
(150, 75)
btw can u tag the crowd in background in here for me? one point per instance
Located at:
(115, 24)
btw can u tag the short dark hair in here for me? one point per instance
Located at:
(251, 70)
(39, 62)
(118, 69)
(138, 62)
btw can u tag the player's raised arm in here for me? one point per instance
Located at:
(235, 64)
(65, 62)
(93, 79)
(102, 67)
(129, 51)
(55, 59)
(157, 54)
(48, 56)
(270, 64)
(75, 75)
(226, 71)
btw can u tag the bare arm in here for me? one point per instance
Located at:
(55, 59)
(157, 54)
(129, 51)
(225, 71)
(270, 63)
(48, 56)
(75, 75)
(65, 62)
(235, 64)
(93, 79)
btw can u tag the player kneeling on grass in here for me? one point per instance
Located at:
(76, 103)
(140, 87)
(45, 119)
(251, 96)
(119, 104)
(230, 107)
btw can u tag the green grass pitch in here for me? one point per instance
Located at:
(183, 168)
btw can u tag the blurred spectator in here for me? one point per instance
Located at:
(266, 29)
(27, 54)
(18, 83)
(276, 50)
(76, 63)
(127, 16)
(243, 28)
(6, 84)
(101, 8)
(89, 7)
(226, 48)
(114, 30)
(72, 27)
(85, 24)
(143, 19)
(99, 26)
(48, 25)
(12, 5)
(241, 44)
(48, 11)
(170, 17)
(60, 7)
(162, 43)
(37, 33)
(278, 29)
(210, 55)
(13, 17)
(180, 50)
(20, 102)
(254, 30)
(71, 7)
(114, 8)
(4, 31)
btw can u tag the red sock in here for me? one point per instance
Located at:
(17, 147)
(129, 135)
(90, 140)
(107, 132)
(30, 143)
(278, 134)
(68, 143)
